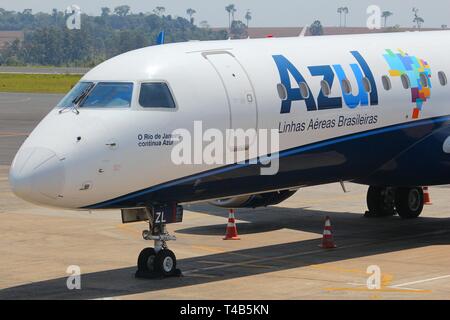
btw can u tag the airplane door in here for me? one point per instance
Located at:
(239, 90)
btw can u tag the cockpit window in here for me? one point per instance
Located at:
(109, 95)
(76, 91)
(156, 95)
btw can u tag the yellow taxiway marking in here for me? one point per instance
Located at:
(386, 287)
(337, 269)
(389, 290)
(12, 134)
(261, 266)
(256, 261)
(220, 250)
(386, 278)
(239, 264)
(199, 275)
(211, 262)
(209, 249)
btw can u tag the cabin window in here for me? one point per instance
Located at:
(156, 95)
(109, 95)
(424, 80)
(387, 85)
(367, 85)
(442, 78)
(405, 81)
(282, 92)
(304, 90)
(326, 90)
(346, 86)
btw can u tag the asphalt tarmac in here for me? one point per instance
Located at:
(19, 114)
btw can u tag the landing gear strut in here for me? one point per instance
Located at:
(387, 201)
(158, 261)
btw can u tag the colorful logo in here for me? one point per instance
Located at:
(403, 64)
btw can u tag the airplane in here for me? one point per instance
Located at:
(368, 109)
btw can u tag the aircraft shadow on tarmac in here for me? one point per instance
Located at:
(356, 237)
(259, 220)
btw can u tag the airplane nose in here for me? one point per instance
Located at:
(37, 175)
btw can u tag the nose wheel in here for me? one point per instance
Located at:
(157, 262)
(153, 265)
(166, 263)
(146, 260)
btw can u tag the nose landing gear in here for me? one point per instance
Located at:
(407, 202)
(159, 261)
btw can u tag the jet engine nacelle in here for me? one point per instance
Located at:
(255, 200)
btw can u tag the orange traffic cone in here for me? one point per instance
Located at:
(426, 196)
(327, 240)
(231, 227)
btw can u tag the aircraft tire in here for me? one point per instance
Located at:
(146, 260)
(380, 201)
(409, 202)
(166, 263)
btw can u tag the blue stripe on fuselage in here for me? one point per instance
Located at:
(282, 154)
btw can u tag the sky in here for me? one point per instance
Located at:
(275, 13)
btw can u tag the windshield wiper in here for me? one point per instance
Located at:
(76, 102)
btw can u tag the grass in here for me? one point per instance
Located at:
(37, 83)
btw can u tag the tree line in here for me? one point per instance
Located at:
(48, 41)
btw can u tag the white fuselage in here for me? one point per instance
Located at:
(80, 160)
